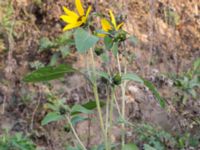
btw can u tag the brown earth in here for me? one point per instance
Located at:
(166, 44)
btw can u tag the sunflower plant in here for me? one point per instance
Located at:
(105, 46)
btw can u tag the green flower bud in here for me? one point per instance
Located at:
(117, 79)
(98, 51)
(62, 110)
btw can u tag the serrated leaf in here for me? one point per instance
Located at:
(84, 40)
(79, 109)
(48, 73)
(132, 77)
(153, 89)
(51, 117)
(130, 147)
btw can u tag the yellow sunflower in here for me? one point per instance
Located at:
(107, 26)
(73, 19)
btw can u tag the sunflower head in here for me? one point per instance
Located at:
(111, 25)
(74, 19)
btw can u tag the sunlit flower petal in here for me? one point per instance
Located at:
(68, 19)
(106, 26)
(71, 26)
(88, 11)
(119, 26)
(79, 7)
(69, 12)
(113, 19)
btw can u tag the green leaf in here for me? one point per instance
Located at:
(148, 147)
(45, 44)
(105, 58)
(132, 77)
(51, 117)
(130, 147)
(103, 74)
(54, 59)
(65, 50)
(77, 119)
(80, 109)
(115, 48)
(84, 40)
(92, 105)
(64, 38)
(108, 42)
(73, 148)
(48, 73)
(153, 89)
(197, 66)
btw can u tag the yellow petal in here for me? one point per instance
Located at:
(113, 19)
(88, 11)
(70, 13)
(101, 35)
(106, 26)
(68, 19)
(119, 26)
(71, 26)
(79, 7)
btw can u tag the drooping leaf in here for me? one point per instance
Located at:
(132, 77)
(79, 109)
(48, 73)
(77, 119)
(153, 89)
(84, 40)
(51, 117)
(92, 105)
(130, 147)
(103, 74)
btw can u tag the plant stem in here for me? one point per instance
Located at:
(107, 117)
(96, 94)
(123, 113)
(74, 132)
(111, 117)
(123, 98)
